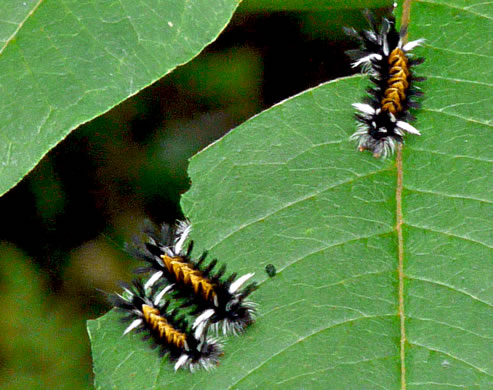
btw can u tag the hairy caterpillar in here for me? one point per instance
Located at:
(148, 312)
(217, 301)
(384, 115)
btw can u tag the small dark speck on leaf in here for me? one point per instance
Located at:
(271, 270)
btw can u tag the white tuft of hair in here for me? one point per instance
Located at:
(411, 45)
(153, 279)
(160, 296)
(364, 108)
(239, 282)
(202, 319)
(366, 59)
(133, 325)
(181, 361)
(183, 229)
(407, 128)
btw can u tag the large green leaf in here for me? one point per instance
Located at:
(287, 188)
(63, 63)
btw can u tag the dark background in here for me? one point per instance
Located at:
(65, 224)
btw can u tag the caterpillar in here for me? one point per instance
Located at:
(384, 115)
(148, 312)
(217, 302)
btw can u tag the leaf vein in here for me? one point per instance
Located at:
(458, 8)
(459, 80)
(451, 326)
(122, 362)
(467, 53)
(436, 384)
(449, 234)
(440, 111)
(482, 371)
(297, 260)
(289, 204)
(285, 348)
(475, 158)
(342, 364)
(475, 298)
(453, 196)
(12, 36)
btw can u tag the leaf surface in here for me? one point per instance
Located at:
(287, 188)
(312, 5)
(63, 63)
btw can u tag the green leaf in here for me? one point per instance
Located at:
(287, 188)
(312, 5)
(64, 63)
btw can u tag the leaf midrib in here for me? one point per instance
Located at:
(400, 268)
(14, 34)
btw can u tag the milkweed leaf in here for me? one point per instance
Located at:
(287, 188)
(64, 63)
